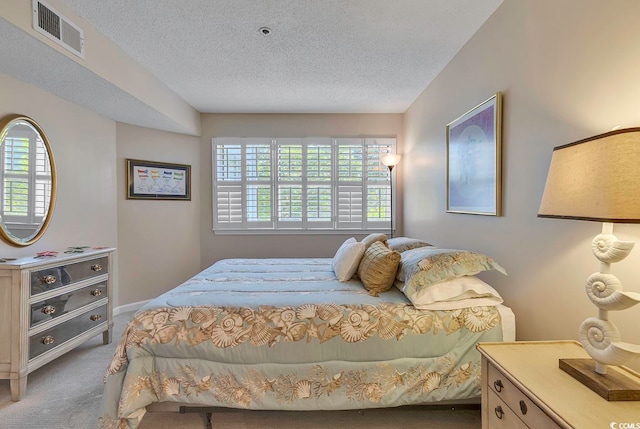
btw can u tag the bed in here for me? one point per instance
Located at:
(287, 334)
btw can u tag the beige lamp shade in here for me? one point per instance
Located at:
(595, 179)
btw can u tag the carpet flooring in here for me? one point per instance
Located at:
(66, 394)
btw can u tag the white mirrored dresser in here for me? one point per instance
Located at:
(50, 305)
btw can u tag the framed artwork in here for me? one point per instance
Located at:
(149, 180)
(474, 170)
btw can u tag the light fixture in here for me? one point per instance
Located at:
(598, 179)
(391, 161)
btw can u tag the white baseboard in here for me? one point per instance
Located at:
(128, 307)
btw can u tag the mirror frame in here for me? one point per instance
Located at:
(5, 123)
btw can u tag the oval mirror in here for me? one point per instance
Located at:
(27, 180)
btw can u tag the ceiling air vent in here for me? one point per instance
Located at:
(57, 28)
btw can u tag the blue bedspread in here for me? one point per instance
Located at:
(286, 334)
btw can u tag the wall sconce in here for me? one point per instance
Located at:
(391, 161)
(598, 179)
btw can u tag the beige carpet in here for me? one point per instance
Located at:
(66, 394)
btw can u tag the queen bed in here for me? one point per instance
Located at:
(287, 334)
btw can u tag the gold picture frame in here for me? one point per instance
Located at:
(474, 160)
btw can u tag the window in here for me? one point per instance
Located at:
(25, 197)
(301, 184)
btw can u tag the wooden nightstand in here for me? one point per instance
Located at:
(523, 387)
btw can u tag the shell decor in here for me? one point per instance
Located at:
(601, 340)
(607, 248)
(605, 292)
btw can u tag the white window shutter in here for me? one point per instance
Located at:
(228, 207)
(316, 183)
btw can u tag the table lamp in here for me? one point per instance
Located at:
(598, 179)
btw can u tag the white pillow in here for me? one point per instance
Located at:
(347, 258)
(461, 292)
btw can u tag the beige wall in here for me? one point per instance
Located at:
(215, 247)
(568, 70)
(159, 241)
(84, 148)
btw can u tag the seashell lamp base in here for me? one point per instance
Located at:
(618, 384)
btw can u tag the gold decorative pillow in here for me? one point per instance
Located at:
(377, 269)
(372, 238)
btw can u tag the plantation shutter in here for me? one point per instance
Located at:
(25, 197)
(350, 183)
(259, 179)
(43, 184)
(377, 183)
(301, 184)
(318, 186)
(228, 184)
(290, 205)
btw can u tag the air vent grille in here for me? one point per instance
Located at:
(48, 21)
(58, 28)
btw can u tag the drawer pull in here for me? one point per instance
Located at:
(95, 317)
(96, 292)
(48, 309)
(498, 385)
(523, 407)
(48, 340)
(49, 280)
(499, 412)
(96, 267)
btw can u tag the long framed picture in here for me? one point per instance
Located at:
(150, 180)
(474, 170)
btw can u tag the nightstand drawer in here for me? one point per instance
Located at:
(63, 275)
(51, 308)
(517, 401)
(51, 338)
(501, 416)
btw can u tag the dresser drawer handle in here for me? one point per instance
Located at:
(498, 385)
(96, 292)
(523, 407)
(95, 317)
(49, 279)
(499, 412)
(96, 267)
(48, 309)
(48, 340)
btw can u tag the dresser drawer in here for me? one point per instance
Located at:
(53, 307)
(51, 338)
(51, 278)
(517, 401)
(500, 415)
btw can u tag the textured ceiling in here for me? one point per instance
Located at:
(322, 56)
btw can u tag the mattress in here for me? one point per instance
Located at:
(285, 334)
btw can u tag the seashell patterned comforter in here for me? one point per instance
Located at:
(285, 334)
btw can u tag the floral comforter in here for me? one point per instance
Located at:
(286, 334)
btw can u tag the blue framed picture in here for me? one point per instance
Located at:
(474, 172)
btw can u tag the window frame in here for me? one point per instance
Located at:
(230, 202)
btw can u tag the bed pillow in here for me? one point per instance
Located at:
(461, 292)
(402, 244)
(372, 238)
(377, 269)
(427, 265)
(346, 260)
